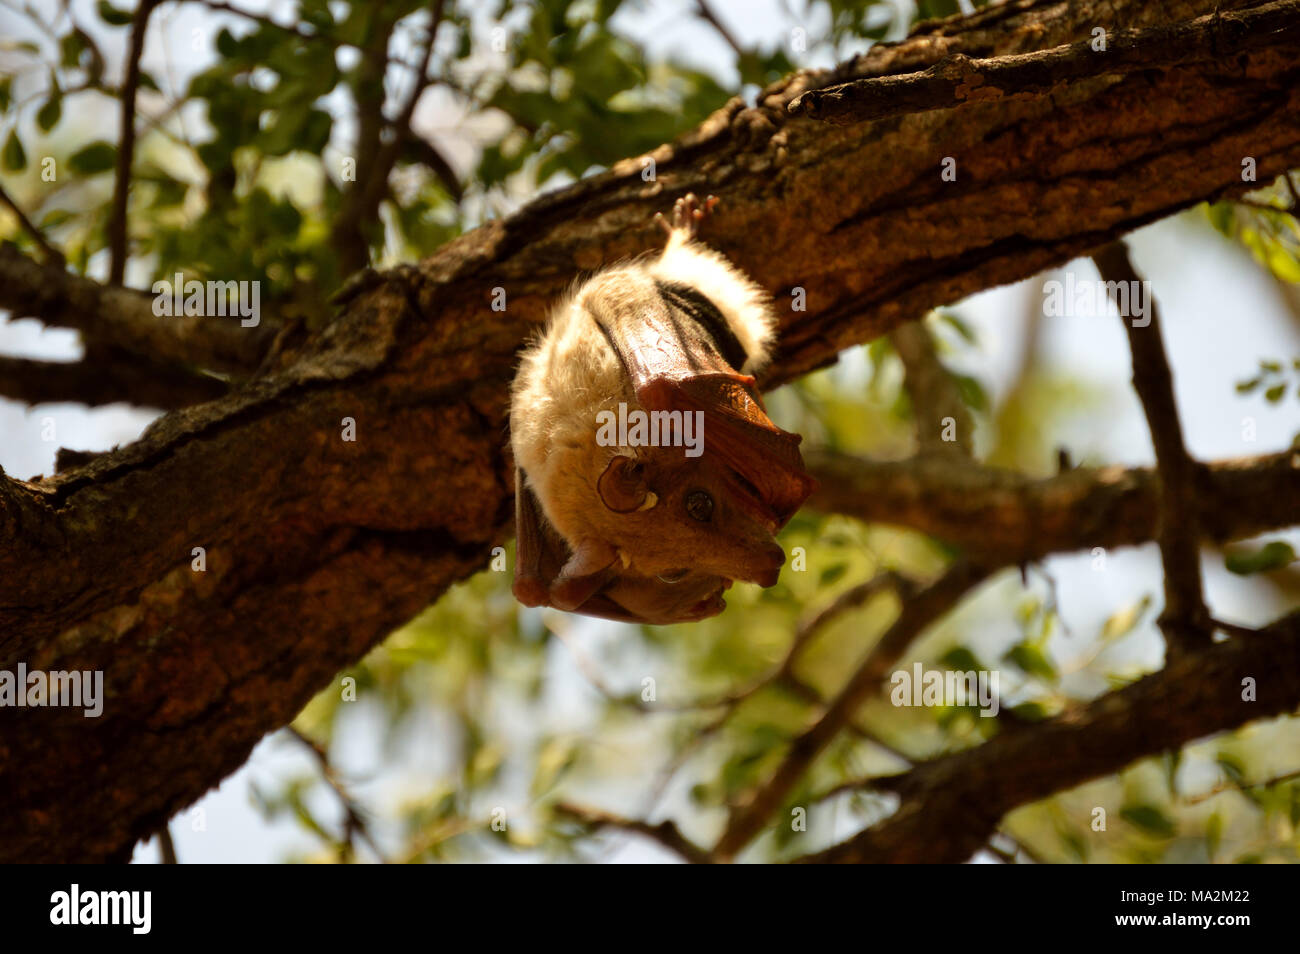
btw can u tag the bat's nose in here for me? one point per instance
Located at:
(769, 564)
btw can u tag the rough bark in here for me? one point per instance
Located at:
(316, 548)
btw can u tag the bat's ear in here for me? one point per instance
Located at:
(591, 567)
(623, 488)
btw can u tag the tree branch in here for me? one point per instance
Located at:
(117, 238)
(958, 79)
(664, 833)
(1006, 517)
(935, 401)
(1184, 618)
(52, 255)
(123, 318)
(949, 807)
(105, 379)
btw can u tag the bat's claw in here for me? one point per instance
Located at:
(688, 213)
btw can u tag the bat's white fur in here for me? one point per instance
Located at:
(570, 373)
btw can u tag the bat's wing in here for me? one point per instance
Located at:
(681, 355)
(547, 571)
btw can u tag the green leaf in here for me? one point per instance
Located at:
(47, 117)
(1250, 384)
(97, 157)
(960, 659)
(831, 574)
(71, 47)
(169, 192)
(14, 156)
(1122, 622)
(971, 392)
(54, 218)
(1074, 842)
(1221, 217)
(1272, 556)
(959, 325)
(1150, 819)
(1232, 768)
(6, 92)
(112, 15)
(1283, 264)
(1032, 658)
(1275, 393)
(1031, 711)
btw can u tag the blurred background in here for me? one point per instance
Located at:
(479, 705)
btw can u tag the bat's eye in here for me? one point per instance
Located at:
(699, 506)
(673, 576)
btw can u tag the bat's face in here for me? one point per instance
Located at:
(679, 519)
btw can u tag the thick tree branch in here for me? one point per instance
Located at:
(317, 547)
(1005, 517)
(950, 806)
(123, 318)
(105, 379)
(959, 79)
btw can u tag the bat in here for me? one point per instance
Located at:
(648, 476)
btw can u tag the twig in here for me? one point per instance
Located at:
(221, 7)
(1185, 619)
(166, 847)
(705, 12)
(126, 145)
(917, 614)
(1240, 787)
(850, 599)
(1290, 186)
(52, 255)
(665, 832)
(933, 393)
(354, 823)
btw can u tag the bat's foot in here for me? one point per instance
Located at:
(688, 213)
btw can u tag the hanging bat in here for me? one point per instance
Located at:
(648, 475)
